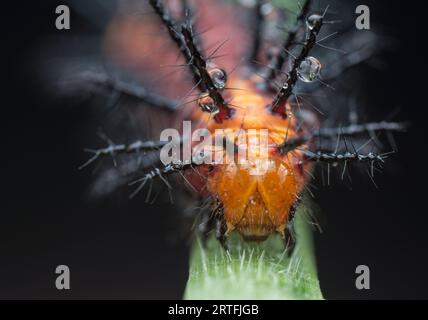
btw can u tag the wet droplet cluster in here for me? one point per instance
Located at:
(219, 78)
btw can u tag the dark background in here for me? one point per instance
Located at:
(123, 249)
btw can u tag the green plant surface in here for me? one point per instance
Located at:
(255, 270)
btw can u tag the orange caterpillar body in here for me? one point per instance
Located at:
(257, 205)
(182, 53)
(254, 205)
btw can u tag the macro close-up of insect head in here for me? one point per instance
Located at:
(217, 149)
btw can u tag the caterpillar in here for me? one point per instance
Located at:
(225, 67)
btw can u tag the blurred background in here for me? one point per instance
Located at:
(118, 248)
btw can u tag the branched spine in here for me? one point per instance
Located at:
(169, 24)
(200, 66)
(186, 43)
(176, 36)
(288, 43)
(278, 104)
(161, 173)
(116, 149)
(344, 157)
(348, 131)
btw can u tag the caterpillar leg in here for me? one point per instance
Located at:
(290, 238)
(213, 220)
(289, 232)
(206, 225)
(220, 232)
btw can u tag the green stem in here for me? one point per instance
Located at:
(254, 270)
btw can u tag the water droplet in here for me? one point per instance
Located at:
(313, 21)
(309, 69)
(219, 77)
(207, 104)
